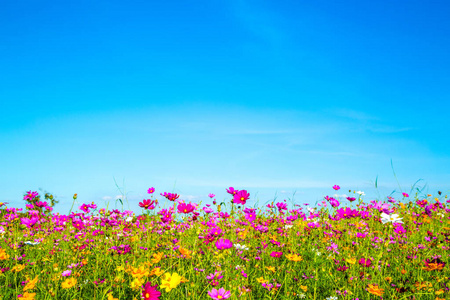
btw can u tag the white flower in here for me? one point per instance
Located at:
(31, 243)
(385, 218)
(129, 219)
(360, 193)
(241, 247)
(287, 226)
(318, 253)
(331, 298)
(301, 296)
(311, 210)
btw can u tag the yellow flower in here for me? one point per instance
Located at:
(68, 283)
(294, 257)
(303, 288)
(262, 280)
(271, 269)
(157, 257)
(375, 290)
(139, 272)
(3, 255)
(170, 281)
(351, 260)
(111, 297)
(17, 268)
(30, 285)
(388, 279)
(137, 283)
(28, 296)
(157, 271)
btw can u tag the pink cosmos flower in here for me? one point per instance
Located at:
(66, 273)
(276, 254)
(334, 202)
(151, 190)
(185, 208)
(30, 196)
(219, 294)
(147, 203)
(366, 262)
(222, 244)
(150, 292)
(232, 191)
(405, 195)
(170, 196)
(336, 187)
(241, 197)
(351, 199)
(211, 195)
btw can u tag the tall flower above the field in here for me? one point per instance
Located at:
(223, 244)
(232, 191)
(83, 207)
(151, 190)
(147, 204)
(405, 195)
(219, 294)
(334, 202)
(185, 208)
(170, 196)
(29, 196)
(241, 197)
(394, 218)
(150, 292)
(336, 187)
(170, 282)
(211, 195)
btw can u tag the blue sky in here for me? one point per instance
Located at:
(276, 97)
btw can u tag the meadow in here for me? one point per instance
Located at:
(340, 248)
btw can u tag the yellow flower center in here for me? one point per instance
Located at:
(147, 295)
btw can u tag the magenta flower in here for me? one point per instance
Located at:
(185, 208)
(222, 244)
(150, 292)
(276, 254)
(84, 208)
(366, 262)
(66, 273)
(30, 196)
(232, 191)
(211, 195)
(336, 187)
(334, 202)
(241, 197)
(151, 190)
(147, 203)
(219, 294)
(170, 196)
(351, 199)
(405, 195)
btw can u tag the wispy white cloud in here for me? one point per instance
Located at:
(106, 198)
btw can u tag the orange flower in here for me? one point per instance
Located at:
(157, 257)
(185, 252)
(375, 290)
(30, 285)
(28, 296)
(3, 255)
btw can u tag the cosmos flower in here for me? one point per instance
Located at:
(150, 292)
(241, 197)
(222, 244)
(385, 218)
(170, 282)
(336, 187)
(68, 283)
(151, 190)
(219, 294)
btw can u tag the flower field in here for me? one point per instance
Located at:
(342, 248)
